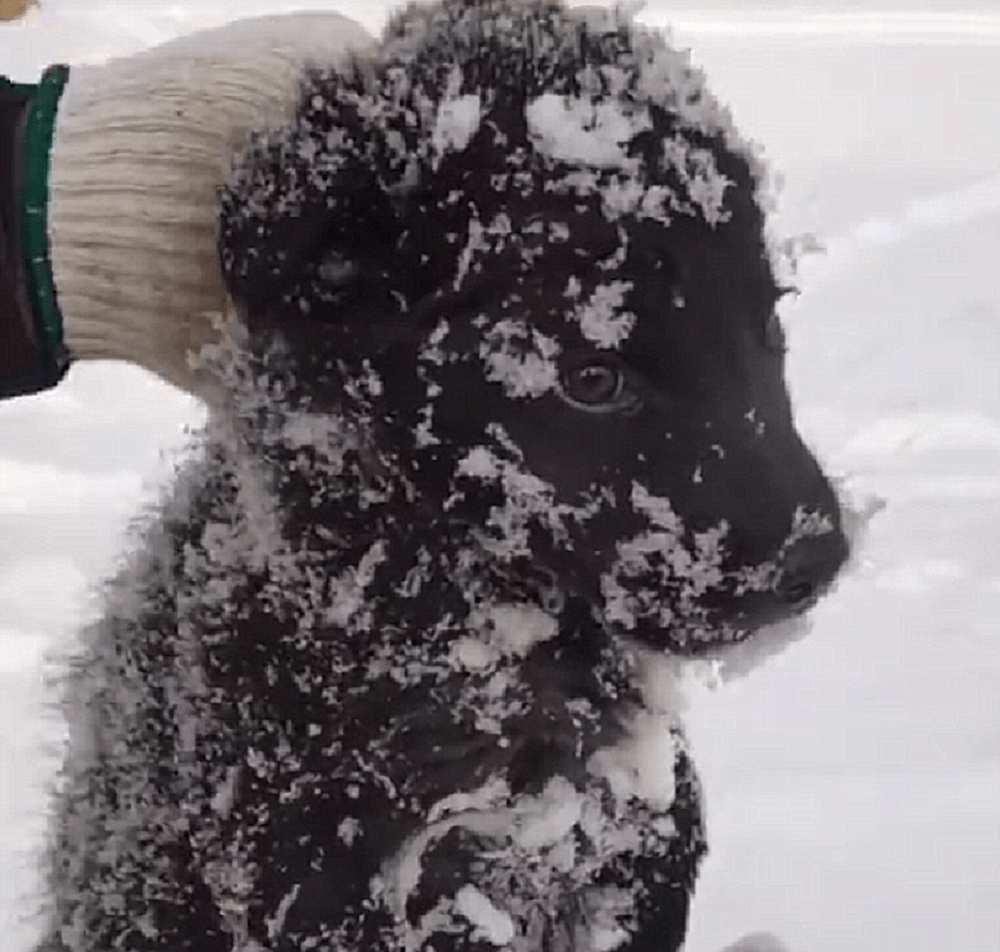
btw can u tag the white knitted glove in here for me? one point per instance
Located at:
(141, 148)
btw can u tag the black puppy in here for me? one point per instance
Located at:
(508, 416)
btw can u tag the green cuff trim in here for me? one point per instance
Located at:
(39, 131)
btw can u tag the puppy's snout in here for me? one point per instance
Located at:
(809, 566)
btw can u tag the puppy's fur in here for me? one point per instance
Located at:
(507, 416)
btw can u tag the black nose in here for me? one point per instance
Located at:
(809, 566)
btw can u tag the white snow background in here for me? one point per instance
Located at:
(853, 783)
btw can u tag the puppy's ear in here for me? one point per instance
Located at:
(309, 223)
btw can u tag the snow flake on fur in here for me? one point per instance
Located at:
(584, 132)
(602, 318)
(457, 121)
(520, 358)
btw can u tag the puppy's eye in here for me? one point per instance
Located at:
(597, 386)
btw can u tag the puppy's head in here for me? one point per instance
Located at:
(526, 246)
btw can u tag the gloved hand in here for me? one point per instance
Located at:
(109, 178)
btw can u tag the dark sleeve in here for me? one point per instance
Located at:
(26, 364)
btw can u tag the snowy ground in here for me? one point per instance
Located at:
(853, 784)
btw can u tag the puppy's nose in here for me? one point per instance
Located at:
(809, 566)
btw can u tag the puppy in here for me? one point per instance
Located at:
(507, 418)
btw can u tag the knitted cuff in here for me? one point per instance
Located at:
(142, 148)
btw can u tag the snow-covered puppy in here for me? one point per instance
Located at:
(507, 418)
